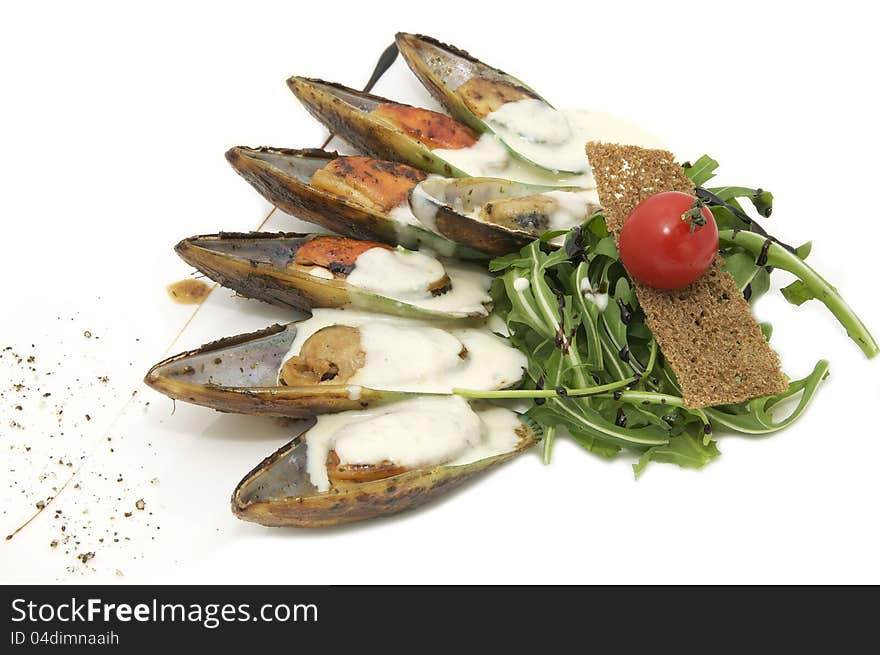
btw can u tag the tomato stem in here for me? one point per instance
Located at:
(695, 214)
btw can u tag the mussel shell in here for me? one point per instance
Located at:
(261, 265)
(432, 201)
(442, 68)
(278, 492)
(282, 177)
(239, 374)
(346, 113)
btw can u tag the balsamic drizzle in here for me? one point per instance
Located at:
(714, 201)
(762, 257)
(626, 312)
(620, 421)
(573, 247)
(539, 384)
(560, 339)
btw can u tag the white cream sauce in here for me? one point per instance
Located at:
(397, 273)
(498, 435)
(489, 157)
(424, 431)
(545, 141)
(593, 296)
(409, 355)
(404, 219)
(403, 214)
(405, 276)
(572, 208)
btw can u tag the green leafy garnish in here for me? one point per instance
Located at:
(595, 370)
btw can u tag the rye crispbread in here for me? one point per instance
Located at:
(706, 330)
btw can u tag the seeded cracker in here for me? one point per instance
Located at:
(706, 331)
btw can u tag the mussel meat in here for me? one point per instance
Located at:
(499, 216)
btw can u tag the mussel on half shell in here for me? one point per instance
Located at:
(322, 365)
(286, 178)
(499, 216)
(303, 271)
(383, 128)
(279, 491)
(491, 101)
(240, 374)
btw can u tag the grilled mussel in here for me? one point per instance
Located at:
(383, 128)
(240, 374)
(490, 100)
(338, 360)
(469, 89)
(337, 472)
(358, 197)
(303, 271)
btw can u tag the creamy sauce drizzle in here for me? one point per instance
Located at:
(403, 214)
(489, 157)
(593, 296)
(416, 356)
(413, 433)
(572, 208)
(396, 273)
(406, 276)
(404, 219)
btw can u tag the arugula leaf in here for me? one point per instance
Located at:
(685, 450)
(761, 200)
(702, 170)
(755, 417)
(741, 265)
(803, 251)
(797, 293)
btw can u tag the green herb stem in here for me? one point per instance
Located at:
(548, 393)
(547, 443)
(779, 257)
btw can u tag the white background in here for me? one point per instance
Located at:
(114, 120)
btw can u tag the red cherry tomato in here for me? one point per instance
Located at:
(658, 247)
